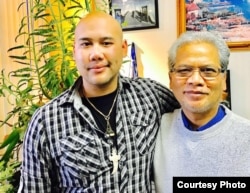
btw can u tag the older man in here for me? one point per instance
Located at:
(203, 138)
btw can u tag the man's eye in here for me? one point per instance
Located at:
(107, 43)
(184, 70)
(85, 44)
(208, 70)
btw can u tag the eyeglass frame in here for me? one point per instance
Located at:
(199, 69)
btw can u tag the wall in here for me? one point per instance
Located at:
(9, 19)
(153, 44)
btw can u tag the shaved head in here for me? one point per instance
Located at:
(99, 49)
(100, 18)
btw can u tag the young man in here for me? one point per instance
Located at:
(203, 138)
(98, 136)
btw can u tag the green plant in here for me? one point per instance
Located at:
(7, 179)
(46, 66)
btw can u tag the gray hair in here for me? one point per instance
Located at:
(201, 36)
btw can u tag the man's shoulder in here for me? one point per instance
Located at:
(61, 98)
(140, 81)
(171, 115)
(55, 103)
(237, 119)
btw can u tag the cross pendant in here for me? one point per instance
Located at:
(114, 158)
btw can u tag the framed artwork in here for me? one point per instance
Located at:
(230, 18)
(135, 14)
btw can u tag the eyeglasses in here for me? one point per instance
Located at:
(206, 72)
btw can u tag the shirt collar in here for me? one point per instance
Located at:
(71, 94)
(219, 116)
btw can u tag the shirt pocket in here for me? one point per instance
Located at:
(144, 128)
(82, 159)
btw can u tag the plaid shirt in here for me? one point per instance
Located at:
(64, 153)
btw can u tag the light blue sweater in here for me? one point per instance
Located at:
(222, 150)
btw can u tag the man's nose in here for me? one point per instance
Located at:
(195, 77)
(96, 53)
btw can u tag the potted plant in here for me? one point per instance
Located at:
(47, 69)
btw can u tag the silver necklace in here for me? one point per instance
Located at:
(109, 130)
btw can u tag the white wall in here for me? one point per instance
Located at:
(8, 30)
(240, 82)
(152, 46)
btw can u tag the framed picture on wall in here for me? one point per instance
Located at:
(135, 14)
(230, 18)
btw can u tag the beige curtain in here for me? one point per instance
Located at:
(9, 25)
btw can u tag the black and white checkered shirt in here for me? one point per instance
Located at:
(64, 153)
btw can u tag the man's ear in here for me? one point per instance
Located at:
(125, 48)
(73, 51)
(224, 82)
(170, 80)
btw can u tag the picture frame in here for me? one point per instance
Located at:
(230, 18)
(135, 14)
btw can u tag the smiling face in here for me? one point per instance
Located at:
(98, 52)
(196, 94)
